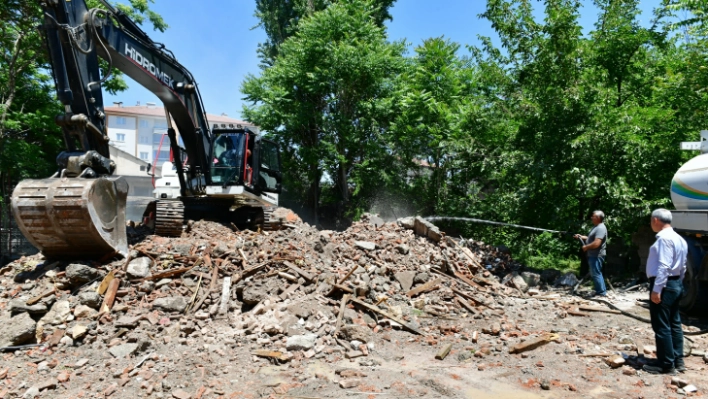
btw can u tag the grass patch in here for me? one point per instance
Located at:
(543, 262)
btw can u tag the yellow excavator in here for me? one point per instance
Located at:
(225, 172)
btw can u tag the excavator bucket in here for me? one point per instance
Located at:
(73, 217)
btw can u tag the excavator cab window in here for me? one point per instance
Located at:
(228, 158)
(269, 174)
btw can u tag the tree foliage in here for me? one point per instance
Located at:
(324, 99)
(279, 19)
(540, 131)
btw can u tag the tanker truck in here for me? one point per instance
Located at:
(689, 194)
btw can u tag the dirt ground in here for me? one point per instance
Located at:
(297, 340)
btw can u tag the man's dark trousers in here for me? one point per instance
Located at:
(666, 323)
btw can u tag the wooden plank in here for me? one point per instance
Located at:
(169, 273)
(289, 291)
(110, 297)
(104, 283)
(468, 281)
(339, 285)
(429, 286)
(348, 274)
(533, 343)
(214, 277)
(255, 268)
(299, 271)
(598, 309)
(466, 305)
(270, 354)
(39, 297)
(482, 280)
(343, 288)
(442, 354)
(196, 291)
(225, 290)
(243, 256)
(389, 316)
(288, 277)
(576, 312)
(475, 300)
(342, 306)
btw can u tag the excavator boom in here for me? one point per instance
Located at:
(80, 211)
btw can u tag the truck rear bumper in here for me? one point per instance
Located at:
(690, 221)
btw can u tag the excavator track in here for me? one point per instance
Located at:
(270, 222)
(73, 217)
(169, 218)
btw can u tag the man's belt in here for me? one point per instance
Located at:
(669, 278)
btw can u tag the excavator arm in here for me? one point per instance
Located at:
(80, 211)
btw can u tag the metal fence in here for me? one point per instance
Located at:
(13, 244)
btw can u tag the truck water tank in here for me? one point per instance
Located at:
(689, 187)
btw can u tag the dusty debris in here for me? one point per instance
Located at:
(294, 297)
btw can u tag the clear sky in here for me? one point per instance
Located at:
(214, 39)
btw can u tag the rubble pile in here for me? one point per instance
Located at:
(291, 295)
(296, 289)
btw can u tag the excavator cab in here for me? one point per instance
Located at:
(227, 159)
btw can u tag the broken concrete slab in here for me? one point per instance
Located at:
(615, 361)
(90, 298)
(17, 330)
(129, 322)
(122, 351)
(84, 312)
(80, 274)
(366, 245)
(301, 342)
(139, 268)
(58, 314)
(357, 332)
(19, 306)
(78, 331)
(405, 279)
(171, 304)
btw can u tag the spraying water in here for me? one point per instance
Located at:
(517, 226)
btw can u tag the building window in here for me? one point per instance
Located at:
(143, 168)
(144, 156)
(158, 139)
(120, 120)
(143, 123)
(120, 137)
(144, 139)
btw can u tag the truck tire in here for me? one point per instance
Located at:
(690, 286)
(695, 299)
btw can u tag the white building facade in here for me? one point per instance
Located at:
(141, 130)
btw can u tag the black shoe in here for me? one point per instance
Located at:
(659, 370)
(680, 367)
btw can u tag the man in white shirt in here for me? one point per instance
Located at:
(666, 267)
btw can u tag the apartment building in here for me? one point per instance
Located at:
(141, 130)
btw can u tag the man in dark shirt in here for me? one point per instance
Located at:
(595, 243)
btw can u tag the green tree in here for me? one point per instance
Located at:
(279, 19)
(431, 99)
(324, 99)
